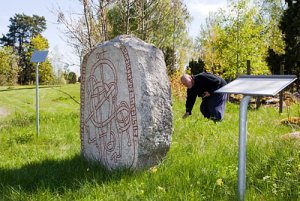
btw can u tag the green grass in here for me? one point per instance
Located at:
(201, 164)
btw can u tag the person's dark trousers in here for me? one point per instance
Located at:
(213, 106)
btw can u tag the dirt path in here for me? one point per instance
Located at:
(3, 112)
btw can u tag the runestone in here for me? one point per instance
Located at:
(126, 107)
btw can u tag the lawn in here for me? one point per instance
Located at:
(201, 164)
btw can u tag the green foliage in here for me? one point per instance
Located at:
(271, 11)
(233, 37)
(72, 78)
(274, 61)
(290, 26)
(59, 78)
(8, 66)
(21, 30)
(196, 67)
(169, 60)
(45, 73)
(45, 68)
(200, 165)
(162, 23)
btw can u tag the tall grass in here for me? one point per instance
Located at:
(201, 163)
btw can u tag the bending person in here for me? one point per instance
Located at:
(203, 85)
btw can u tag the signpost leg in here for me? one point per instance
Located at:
(37, 98)
(38, 56)
(242, 147)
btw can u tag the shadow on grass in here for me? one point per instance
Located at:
(58, 176)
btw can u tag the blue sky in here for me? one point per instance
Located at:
(199, 9)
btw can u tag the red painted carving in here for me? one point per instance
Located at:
(109, 121)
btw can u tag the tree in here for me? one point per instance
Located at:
(196, 67)
(290, 26)
(123, 17)
(162, 23)
(272, 11)
(89, 29)
(234, 37)
(21, 30)
(208, 43)
(9, 66)
(274, 61)
(45, 68)
(72, 78)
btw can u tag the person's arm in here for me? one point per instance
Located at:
(190, 101)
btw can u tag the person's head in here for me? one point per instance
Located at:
(187, 80)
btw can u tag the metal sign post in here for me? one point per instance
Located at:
(37, 98)
(38, 56)
(252, 86)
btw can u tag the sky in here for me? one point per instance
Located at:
(199, 10)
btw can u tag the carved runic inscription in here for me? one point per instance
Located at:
(108, 112)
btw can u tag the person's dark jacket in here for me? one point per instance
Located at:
(202, 82)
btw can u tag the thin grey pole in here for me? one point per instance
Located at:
(248, 67)
(242, 147)
(281, 92)
(37, 98)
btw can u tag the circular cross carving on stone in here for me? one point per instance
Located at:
(108, 114)
(126, 106)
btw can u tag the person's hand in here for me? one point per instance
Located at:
(206, 94)
(185, 115)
